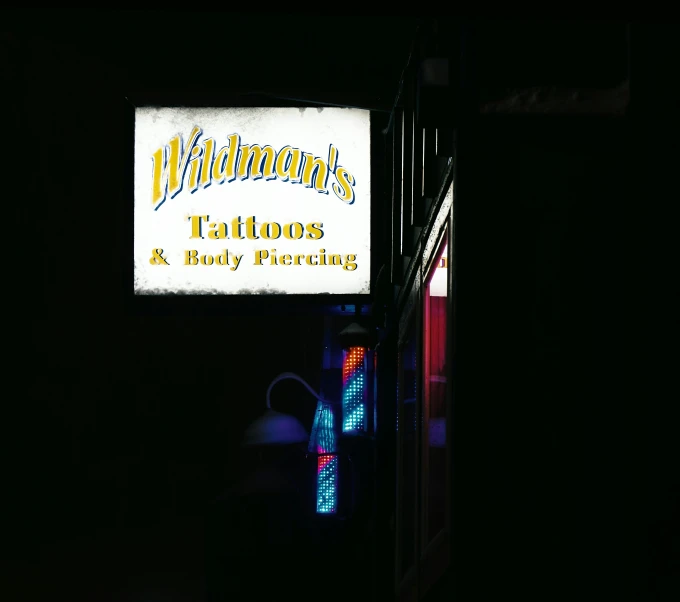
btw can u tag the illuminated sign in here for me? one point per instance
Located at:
(243, 201)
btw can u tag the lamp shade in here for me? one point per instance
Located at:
(354, 335)
(275, 428)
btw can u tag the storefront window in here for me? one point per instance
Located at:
(435, 395)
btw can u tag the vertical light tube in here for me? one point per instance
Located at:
(354, 390)
(323, 444)
(327, 484)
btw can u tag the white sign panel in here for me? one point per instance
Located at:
(242, 201)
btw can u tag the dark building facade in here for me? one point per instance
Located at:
(510, 159)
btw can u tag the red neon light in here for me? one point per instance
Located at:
(323, 461)
(353, 361)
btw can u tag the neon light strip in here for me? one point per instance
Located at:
(354, 389)
(327, 484)
(323, 443)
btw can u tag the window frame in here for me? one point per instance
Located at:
(432, 558)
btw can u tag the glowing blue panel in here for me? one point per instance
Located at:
(327, 484)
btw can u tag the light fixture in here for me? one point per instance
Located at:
(277, 428)
(354, 340)
(323, 444)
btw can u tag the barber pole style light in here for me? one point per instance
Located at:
(354, 378)
(354, 390)
(323, 443)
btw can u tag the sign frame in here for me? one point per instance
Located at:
(184, 304)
